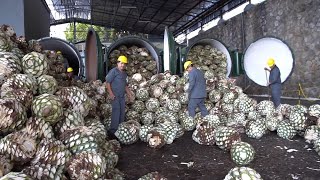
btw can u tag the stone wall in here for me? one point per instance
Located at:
(295, 22)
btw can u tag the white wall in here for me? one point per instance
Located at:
(12, 13)
(29, 18)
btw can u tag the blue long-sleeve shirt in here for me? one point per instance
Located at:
(197, 84)
(275, 76)
(118, 81)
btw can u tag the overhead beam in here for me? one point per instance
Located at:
(212, 1)
(181, 2)
(165, 2)
(100, 23)
(70, 20)
(183, 14)
(202, 15)
(116, 11)
(104, 9)
(105, 12)
(191, 14)
(127, 16)
(110, 16)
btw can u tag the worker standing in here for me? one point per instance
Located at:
(274, 82)
(63, 59)
(117, 86)
(71, 76)
(196, 91)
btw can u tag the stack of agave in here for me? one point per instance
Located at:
(158, 115)
(207, 58)
(312, 132)
(50, 128)
(153, 116)
(56, 129)
(160, 107)
(162, 99)
(159, 112)
(243, 173)
(139, 60)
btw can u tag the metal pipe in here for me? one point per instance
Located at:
(243, 44)
(74, 32)
(286, 97)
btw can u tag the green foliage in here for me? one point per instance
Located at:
(82, 30)
(105, 34)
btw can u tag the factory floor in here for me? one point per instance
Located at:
(275, 158)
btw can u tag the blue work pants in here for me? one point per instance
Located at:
(194, 103)
(118, 113)
(276, 94)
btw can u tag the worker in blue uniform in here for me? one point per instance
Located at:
(274, 82)
(71, 77)
(65, 60)
(117, 86)
(197, 90)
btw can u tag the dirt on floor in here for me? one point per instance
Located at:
(275, 159)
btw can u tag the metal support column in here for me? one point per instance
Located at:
(74, 32)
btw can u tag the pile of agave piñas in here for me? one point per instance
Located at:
(139, 60)
(56, 129)
(158, 114)
(50, 128)
(211, 61)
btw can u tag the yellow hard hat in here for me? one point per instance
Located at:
(123, 59)
(58, 52)
(187, 64)
(270, 62)
(69, 69)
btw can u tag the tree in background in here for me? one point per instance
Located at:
(82, 30)
(105, 34)
(121, 33)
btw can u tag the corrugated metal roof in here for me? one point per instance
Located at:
(139, 16)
